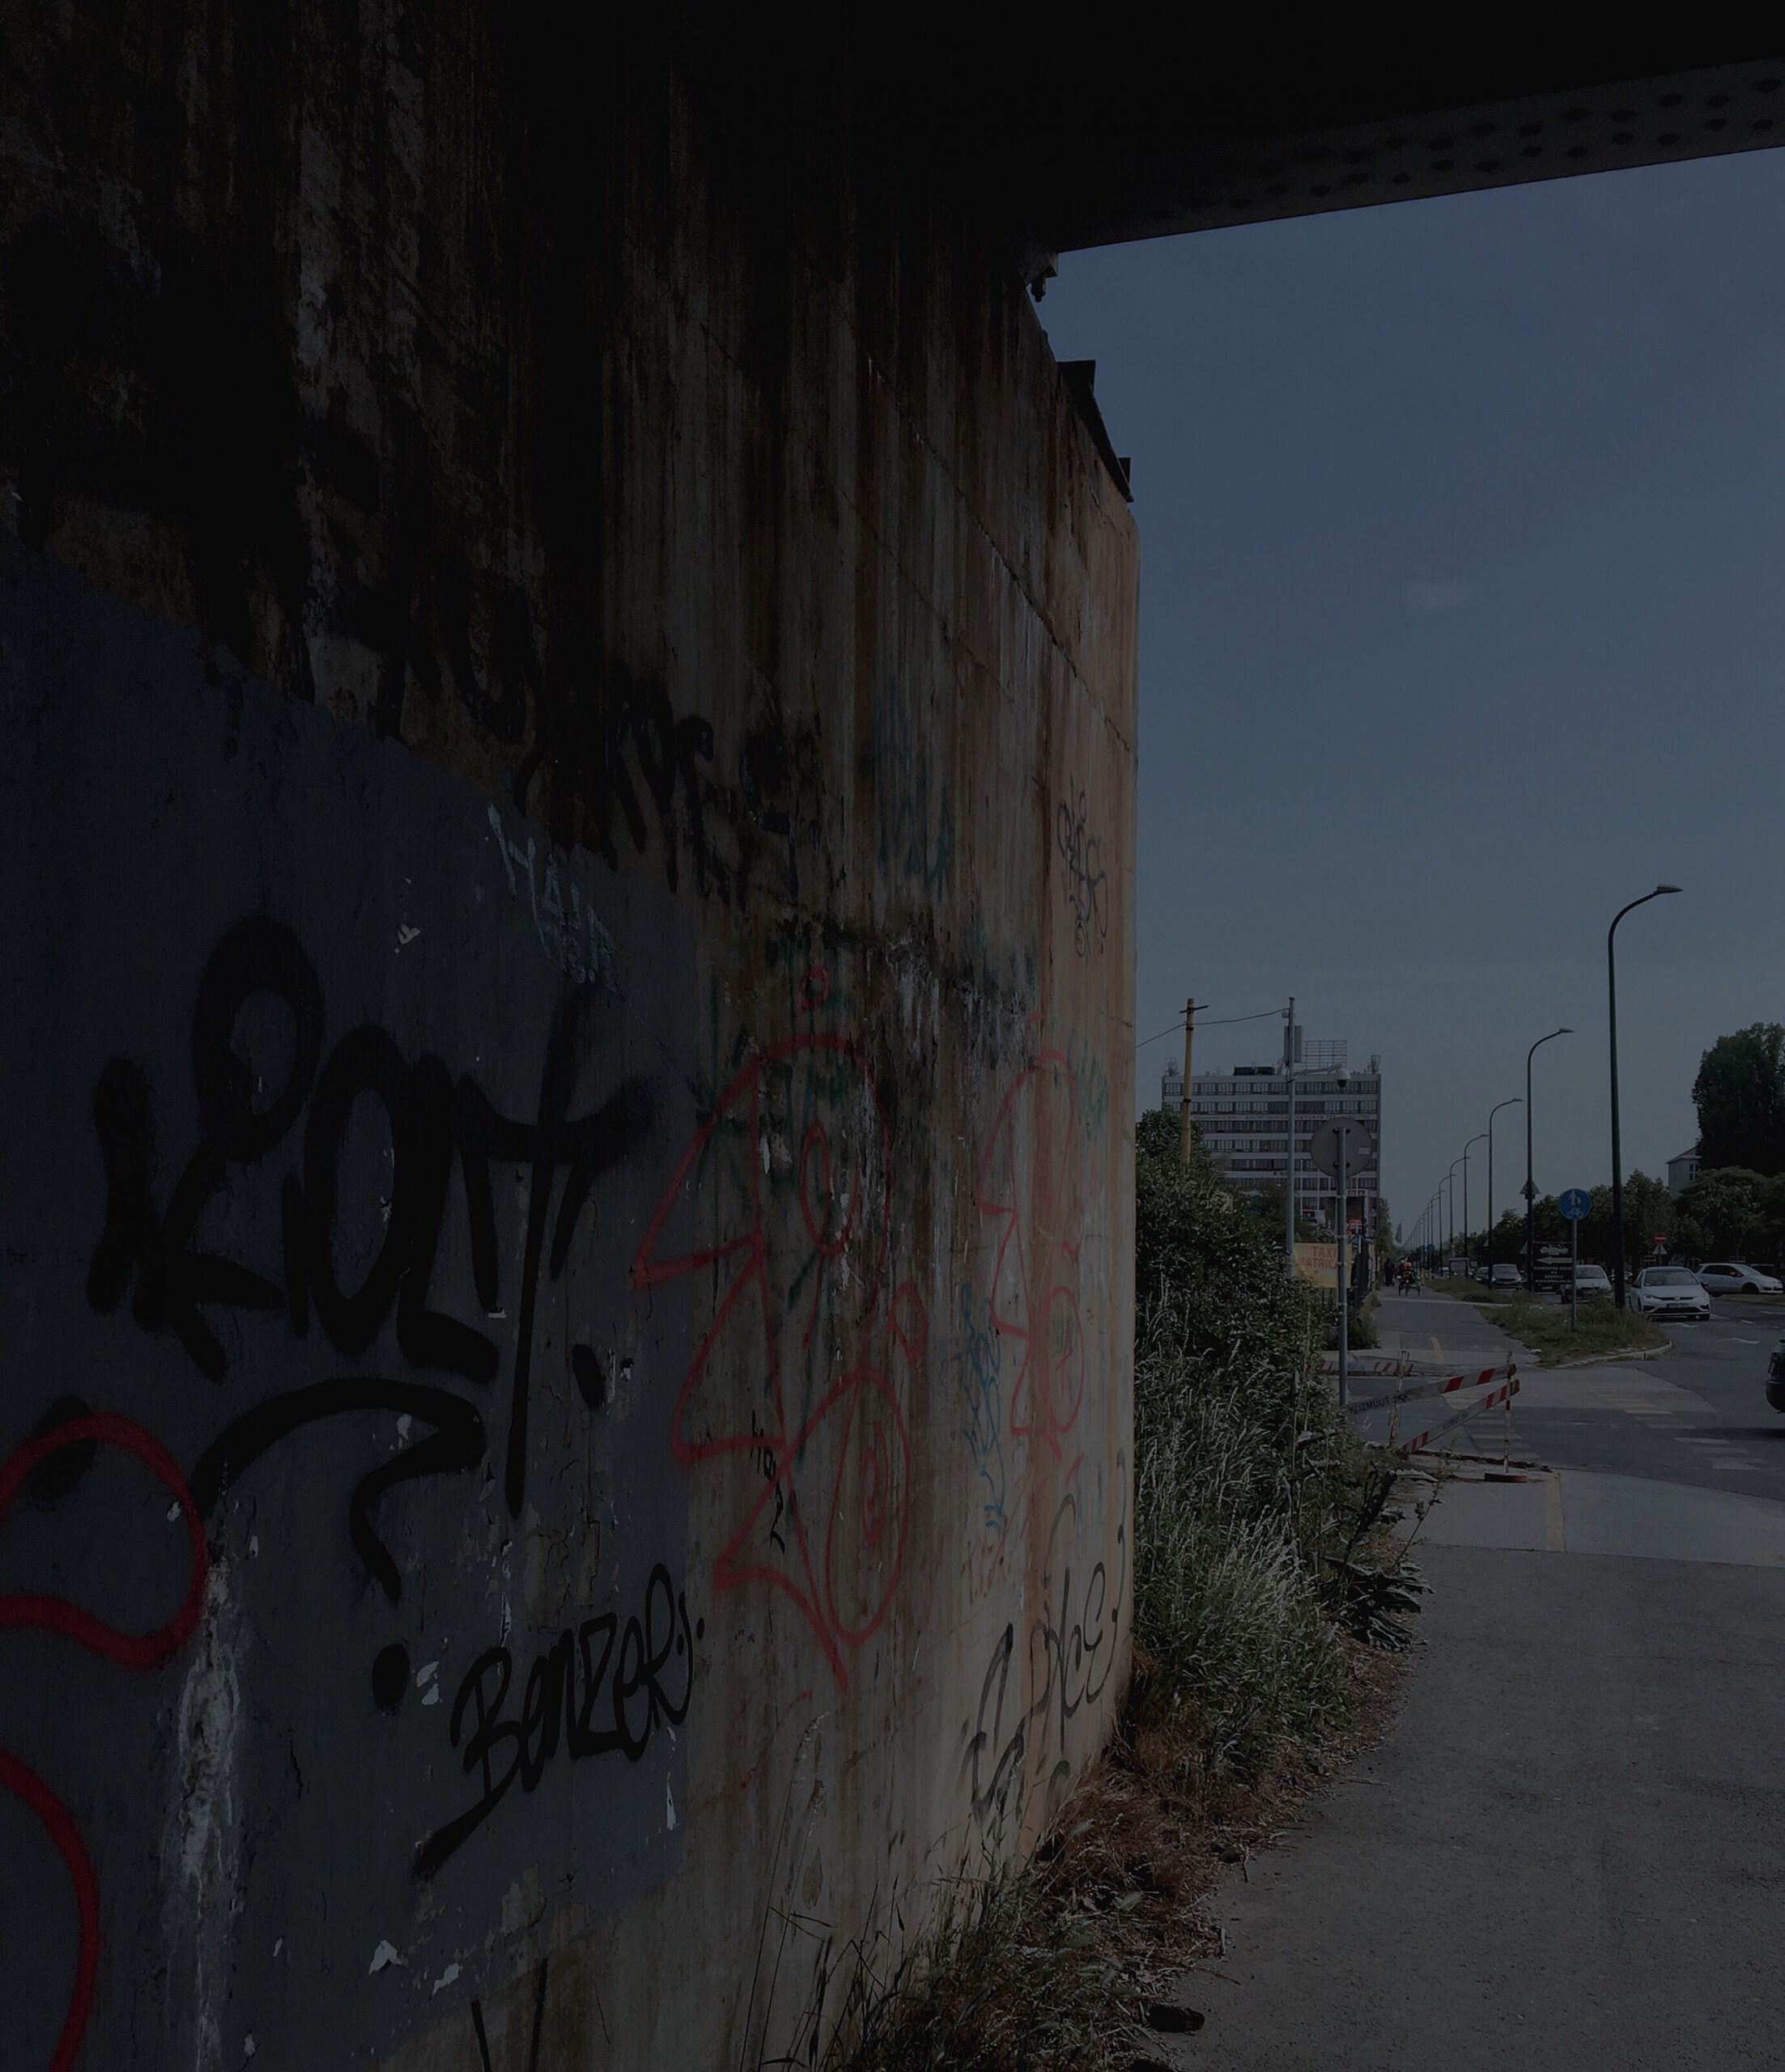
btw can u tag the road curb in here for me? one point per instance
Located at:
(1616, 1359)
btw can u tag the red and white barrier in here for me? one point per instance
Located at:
(1445, 1385)
(1504, 1394)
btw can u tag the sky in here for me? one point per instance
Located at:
(1463, 623)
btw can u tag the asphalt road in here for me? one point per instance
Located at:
(1696, 1415)
(1569, 1853)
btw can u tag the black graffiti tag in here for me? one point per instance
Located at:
(432, 1118)
(567, 1683)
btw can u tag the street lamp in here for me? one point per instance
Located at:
(1515, 1102)
(1480, 1138)
(1530, 1190)
(1450, 1250)
(1617, 1150)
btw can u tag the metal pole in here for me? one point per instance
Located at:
(1513, 1103)
(1617, 1151)
(1343, 1290)
(1574, 1273)
(1476, 1138)
(1289, 1169)
(1189, 1034)
(1530, 1189)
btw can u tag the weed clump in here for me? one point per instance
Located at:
(1256, 1511)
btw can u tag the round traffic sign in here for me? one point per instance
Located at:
(1360, 1156)
(1576, 1205)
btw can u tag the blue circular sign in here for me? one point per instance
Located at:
(1577, 1205)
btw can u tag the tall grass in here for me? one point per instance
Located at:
(1252, 1499)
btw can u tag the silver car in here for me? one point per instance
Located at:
(1670, 1291)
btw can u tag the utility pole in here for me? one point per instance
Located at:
(1288, 1163)
(1189, 1037)
(1344, 1288)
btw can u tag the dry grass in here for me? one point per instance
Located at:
(1055, 1968)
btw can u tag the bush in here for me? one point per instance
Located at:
(1252, 1499)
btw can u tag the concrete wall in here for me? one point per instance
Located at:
(567, 680)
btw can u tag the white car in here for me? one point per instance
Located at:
(1670, 1291)
(1731, 1277)
(1591, 1279)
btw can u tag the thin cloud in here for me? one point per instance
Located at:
(1433, 596)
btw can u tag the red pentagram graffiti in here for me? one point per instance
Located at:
(138, 1651)
(794, 1168)
(1026, 1185)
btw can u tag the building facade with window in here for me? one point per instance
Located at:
(1243, 1115)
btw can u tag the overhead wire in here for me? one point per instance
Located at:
(1221, 1021)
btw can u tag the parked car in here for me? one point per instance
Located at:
(1775, 1384)
(1591, 1279)
(1731, 1277)
(1505, 1276)
(1670, 1291)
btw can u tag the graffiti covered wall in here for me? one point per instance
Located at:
(565, 1289)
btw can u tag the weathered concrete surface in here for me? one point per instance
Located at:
(567, 688)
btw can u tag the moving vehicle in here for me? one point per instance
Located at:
(1505, 1276)
(1670, 1291)
(1591, 1279)
(1731, 1277)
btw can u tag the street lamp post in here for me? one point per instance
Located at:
(1450, 1249)
(1530, 1190)
(1476, 1139)
(1617, 1151)
(1513, 1103)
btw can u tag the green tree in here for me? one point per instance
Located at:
(1733, 1214)
(1740, 1095)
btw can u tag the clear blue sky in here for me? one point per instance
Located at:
(1462, 615)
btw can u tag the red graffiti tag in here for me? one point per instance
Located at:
(1025, 1184)
(138, 1651)
(794, 1167)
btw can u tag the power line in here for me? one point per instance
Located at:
(1223, 1021)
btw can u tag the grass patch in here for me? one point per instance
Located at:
(1546, 1329)
(1473, 1291)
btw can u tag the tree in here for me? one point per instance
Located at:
(1732, 1214)
(1740, 1095)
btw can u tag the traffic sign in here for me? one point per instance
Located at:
(1360, 1156)
(1577, 1205)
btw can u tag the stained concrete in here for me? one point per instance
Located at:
(609, 1305)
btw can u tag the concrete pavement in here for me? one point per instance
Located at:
(1570, 1852)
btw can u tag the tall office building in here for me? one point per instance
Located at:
(1243, 1114)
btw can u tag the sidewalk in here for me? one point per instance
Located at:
(1439, 1327)
(1568, 1854)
